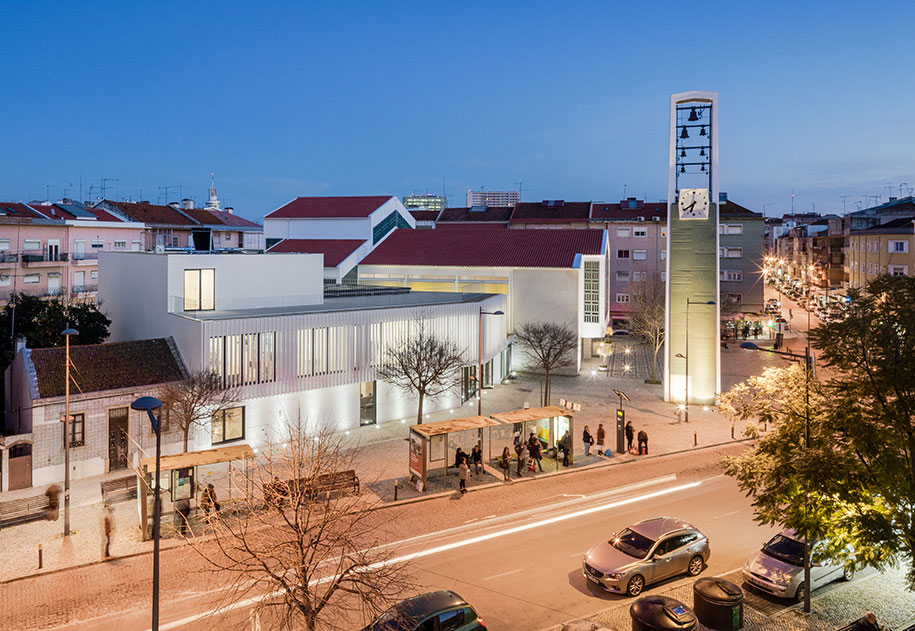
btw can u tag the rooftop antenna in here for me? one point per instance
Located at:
(625, 188)
(163, 191)
(843, 198)
(520, 189)
(47, 189)
(792, 202)
(105, 181)
(766, 206)
(904, 186)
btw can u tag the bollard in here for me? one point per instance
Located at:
(395, 490)
(695, 439)
(732, 432)
(40, 557)
(764, 426)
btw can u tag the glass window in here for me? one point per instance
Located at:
(77, 429)
(622, 232)
(208, 289)
(320, 351)
(640, 232)
(31, 279)
(217, 357)
(639, 255)
(663, 254)
(268, 357)
(303, 353)
(93, 274)
(249, 355)
(228, 425)
(31, 244)
(120, 245)
(592, 291)
(5, 280)
(622, 298)
(233, 360)
(4, 244)
(199, 289)
(622, 275)
(622, 254)
(632, 543)
(450, 620)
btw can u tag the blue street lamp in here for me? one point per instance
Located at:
(149, 404)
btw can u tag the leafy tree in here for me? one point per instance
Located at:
(195, 400)
(647, 319)
(42, 320)
(550, 346)
(422, 363)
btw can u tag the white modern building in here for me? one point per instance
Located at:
(493, 198)
(264, 325)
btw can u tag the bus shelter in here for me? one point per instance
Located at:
(180, 475)
(549, 424)
(430, 444)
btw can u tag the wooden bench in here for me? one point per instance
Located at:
(119, 490)
(24, 510)
(311, 487)
(337, 480)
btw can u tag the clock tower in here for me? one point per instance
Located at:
(692, 353)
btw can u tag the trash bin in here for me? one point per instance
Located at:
(660, 613)
(718, 604)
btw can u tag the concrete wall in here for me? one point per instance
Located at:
(546, 296)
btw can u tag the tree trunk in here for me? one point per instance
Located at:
(654, 364)
(546, 388)
(419, 412)
(187, 430)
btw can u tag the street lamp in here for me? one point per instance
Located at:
(685, 357)
(67, 333)
(149, 404)
(808, 366)
(480, 360)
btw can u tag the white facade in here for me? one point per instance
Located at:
(492, 198)
(337, 227)
(273, 336)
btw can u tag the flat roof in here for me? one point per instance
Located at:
(453, 425)
(532, 414)
(198, 458)
(345, 303)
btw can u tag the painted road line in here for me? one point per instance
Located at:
(733, 512)
(449, 546)
(495, 576)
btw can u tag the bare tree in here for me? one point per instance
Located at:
(550, 345)
(305, 557)
(647, 319)
(195, 400)
(422, 363)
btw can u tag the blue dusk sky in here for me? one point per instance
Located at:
(356, 98)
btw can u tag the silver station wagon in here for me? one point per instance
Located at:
(645, 553)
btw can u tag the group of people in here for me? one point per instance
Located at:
(463, 462)
(629, 431)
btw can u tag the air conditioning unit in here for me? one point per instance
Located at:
(159, 249)
(656, 219)
(640, 218)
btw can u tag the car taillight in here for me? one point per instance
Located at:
(480, 622)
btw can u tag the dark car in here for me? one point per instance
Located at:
(435, 611)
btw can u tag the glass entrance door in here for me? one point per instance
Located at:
(367, 403)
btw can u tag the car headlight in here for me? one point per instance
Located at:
(614, 576)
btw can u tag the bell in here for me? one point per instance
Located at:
(703, 168)
(693, 117)
(684, 134)
(683, 153)
(702, 152)
(702, 131)
(682, 169)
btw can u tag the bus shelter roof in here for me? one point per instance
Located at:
(199, 458)
(531, 414)
(453, 425)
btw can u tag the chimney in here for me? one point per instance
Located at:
(174, 205)
(20, 343)
(230, 210)
(187, 203)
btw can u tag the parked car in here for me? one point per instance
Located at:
(645, 553)
(434, 611)
(778, 568)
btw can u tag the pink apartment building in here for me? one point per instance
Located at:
(52, 249)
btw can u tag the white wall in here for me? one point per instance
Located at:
(335, 228)
(546, 296)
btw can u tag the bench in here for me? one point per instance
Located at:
(24, 510)
(325, 483)
(119, 490)
(337, 480)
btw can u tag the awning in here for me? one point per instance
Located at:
(455, 425)
(531, 414)
(199, 458)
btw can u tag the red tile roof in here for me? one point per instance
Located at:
(492, 213)
(18, 210)
(335, 251)
(601, 211)
(472, 225)
(486, 248)
(100, 367)
(153, 213)
(328, 207)
(540, 212)
(219, 218)
(730, 209)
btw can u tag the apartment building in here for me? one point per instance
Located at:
(492, 198)
(425, 202)
(886, 249)
(741, 247)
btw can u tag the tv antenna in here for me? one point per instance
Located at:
(105, 181)
(163, 192)
(843, 198)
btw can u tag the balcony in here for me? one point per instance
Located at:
(85, 257)
(9, 257)
(84, 289)
(43, 256)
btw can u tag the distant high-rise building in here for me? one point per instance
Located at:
(493, 198)
(430, 202)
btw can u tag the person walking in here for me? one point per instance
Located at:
(588, 440)
(476, 459)
(107, 526)
(630, 434)
(522, 459)
(463, 472)
(565, 444)
(601, 435)
(643, 442)
(536, 453)
(505, 463)
(208, 500)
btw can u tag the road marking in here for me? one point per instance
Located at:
(495, 576)
(578, 554)
(445, 548)
(733, 512)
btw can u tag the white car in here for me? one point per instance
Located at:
(778, 568)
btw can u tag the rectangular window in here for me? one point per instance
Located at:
(898, 270)
(98, 244)
(730, 253)
(394, 220)
(622, 254)
(233, 361)
(730, 228)
(638, 277)
(338, 338)
(622, 276)
(639, 232)
(639, 255)
(77, 429)
(135, 246)
(4, 244)
(93, 274)
(217, 357)
(31, 244)
(5, 280)
(622, 298)
(31, 279)
(622, 232)
(664, 254)
(898, 246)
(228, 425)
(592, 291)
(199, 289)
(268, 357)
(303, 367)
(731, 275)
(249, 358)
(120, 245)
(320, 351)
(663, 276)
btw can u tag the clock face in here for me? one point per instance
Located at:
(694, 203)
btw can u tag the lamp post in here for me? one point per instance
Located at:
(67, 333)
(685, 356)
(149, 404)
(480, 360)
(808, 366)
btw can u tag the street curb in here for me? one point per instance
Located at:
(412, 500)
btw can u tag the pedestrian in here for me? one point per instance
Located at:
(601, 435)
(108, 526)
(867, 623)
(518, 445)
(588, 440)
(630, 433)
(476, 458)
(536, 451)
(459, 457)
(565, 444)
(643, 442)
(463, 471)
(182, 514)
(790, 314)
(53, 493)
(504, 462)
(208, 500)
(522, 459)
